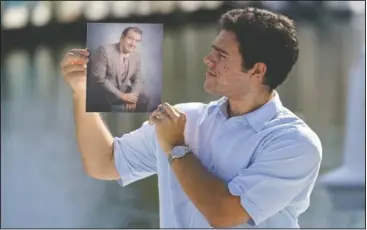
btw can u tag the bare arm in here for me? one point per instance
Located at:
(95, 142)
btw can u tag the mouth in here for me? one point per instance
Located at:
(209, 73)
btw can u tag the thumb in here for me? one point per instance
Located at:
(182, 116)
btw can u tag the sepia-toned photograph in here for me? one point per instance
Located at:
(124, 72)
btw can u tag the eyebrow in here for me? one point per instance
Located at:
(219, 49)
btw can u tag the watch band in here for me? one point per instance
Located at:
(170, 158)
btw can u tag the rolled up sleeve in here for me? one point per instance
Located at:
(278, 174)
(134, 154)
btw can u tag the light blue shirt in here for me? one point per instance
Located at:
(269, 157)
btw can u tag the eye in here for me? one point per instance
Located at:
(222, 56)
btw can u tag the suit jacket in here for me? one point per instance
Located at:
(104, 76)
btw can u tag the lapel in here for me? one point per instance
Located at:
(118, 65)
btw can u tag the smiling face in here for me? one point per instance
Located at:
(130, 41)
(225, 75)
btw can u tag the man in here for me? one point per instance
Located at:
(243, 160)
(114, 76)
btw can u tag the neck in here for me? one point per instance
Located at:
(122, 50)
(247, 103)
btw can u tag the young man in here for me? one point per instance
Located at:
(115, 79)
(241, 161)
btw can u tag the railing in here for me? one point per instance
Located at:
(19, 14)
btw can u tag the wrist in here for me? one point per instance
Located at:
(79, 94)
(178, 152)
(123, 96)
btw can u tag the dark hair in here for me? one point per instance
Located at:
(126, 30)
(265, 37)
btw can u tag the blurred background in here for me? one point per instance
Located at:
(43, 184)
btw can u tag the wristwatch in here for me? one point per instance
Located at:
(178, 152)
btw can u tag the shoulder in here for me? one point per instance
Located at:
(107, 48)
(135, 56)
(190, 108)
(197, 109)
(288, 131)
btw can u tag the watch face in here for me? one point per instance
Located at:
(179, 151)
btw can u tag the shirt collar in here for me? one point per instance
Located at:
(257, 118)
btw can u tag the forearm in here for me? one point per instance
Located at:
(137, 86)
(95, 142)
(207, 192)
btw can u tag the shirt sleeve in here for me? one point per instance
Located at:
(279, 173)
(134, 154)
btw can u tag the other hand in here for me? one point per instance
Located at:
(129, 98)
(170, 126)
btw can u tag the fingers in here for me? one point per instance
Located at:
(130, 107)
(73, 58)
(134, 96)
(76, 74)
(74, 68)
(73, 71)
(181, 115)
(130, 100)
(84, 52)
(159, 118)
(155, 116)
(170, 111)
(174, 113)
(134, 100)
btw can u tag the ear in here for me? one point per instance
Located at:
(259, 71)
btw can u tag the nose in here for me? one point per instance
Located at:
(210, 63)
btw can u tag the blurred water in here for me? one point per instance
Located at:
(42, 181)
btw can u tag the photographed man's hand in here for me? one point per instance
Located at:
(170, 126)
(130, 107)
(131, 98)
(74, 69)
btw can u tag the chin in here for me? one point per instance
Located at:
(209, 88)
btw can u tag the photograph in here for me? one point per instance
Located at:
(183, 115)
(124, 72)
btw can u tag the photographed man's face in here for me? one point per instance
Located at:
(224, 74)
(130, 41)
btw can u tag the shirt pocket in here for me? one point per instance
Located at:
(227, 162)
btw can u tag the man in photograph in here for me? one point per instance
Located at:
(244, 160)
(115, 81)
